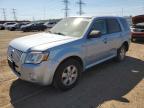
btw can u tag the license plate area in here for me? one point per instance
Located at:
(13, 66)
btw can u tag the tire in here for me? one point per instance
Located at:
(24, 30)
(12, 29)
(64, 78)
(133, 39)
(121, 53)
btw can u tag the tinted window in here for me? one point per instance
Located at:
(100, 25)
(10, 23)
(113, 26)
(125, 24)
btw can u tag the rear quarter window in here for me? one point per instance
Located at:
(113, 26)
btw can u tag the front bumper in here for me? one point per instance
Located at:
(37, 73)
(137, 34)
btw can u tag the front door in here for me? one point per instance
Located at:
(97, 48)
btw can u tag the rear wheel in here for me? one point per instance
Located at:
(121, 53)
(67, 74)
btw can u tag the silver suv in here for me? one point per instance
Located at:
(75, 44)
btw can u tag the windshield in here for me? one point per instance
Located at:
(29, 24)
(15, 24)
(10, 23)
(74, 27)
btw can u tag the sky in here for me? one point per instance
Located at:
(49, 9)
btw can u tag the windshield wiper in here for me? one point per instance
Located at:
(49, 31)
(59, 33)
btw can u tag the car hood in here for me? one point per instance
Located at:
(138, 19)
(40, 41)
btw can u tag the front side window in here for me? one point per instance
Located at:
(113, 26)
(100, 25)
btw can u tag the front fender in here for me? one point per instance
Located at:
(57, 56)
(63, 53)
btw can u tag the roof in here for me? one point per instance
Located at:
(2, 22)
(97, 16)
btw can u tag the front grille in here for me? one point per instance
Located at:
(139, 30)
(14, 54)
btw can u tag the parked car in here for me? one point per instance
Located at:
(50, 24)
(8, 24)
(10, 27)
(16, 26)
(138, 27)
(1, 27)
(33, 27)
(73, 45)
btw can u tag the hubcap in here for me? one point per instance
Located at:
(69, 75)
(122, 53)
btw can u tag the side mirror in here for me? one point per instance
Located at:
(94, 34)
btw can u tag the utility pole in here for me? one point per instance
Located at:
(122, 12)
(44, 17)
(33, 18)
(4, 13)
(14, 14)
(80, 3)
(66, 3)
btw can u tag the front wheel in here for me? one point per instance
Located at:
(67, 74)
(121, 53)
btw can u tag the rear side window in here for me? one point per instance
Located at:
(113, 26)
(124, 24)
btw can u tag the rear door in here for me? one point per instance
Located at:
(35, 26)
(114, 35)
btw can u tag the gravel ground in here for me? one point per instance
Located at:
(108, 85)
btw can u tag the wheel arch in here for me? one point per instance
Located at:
(126, 44)
(75, 57)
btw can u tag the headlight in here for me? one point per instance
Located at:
(36, 57)
(133, 29)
